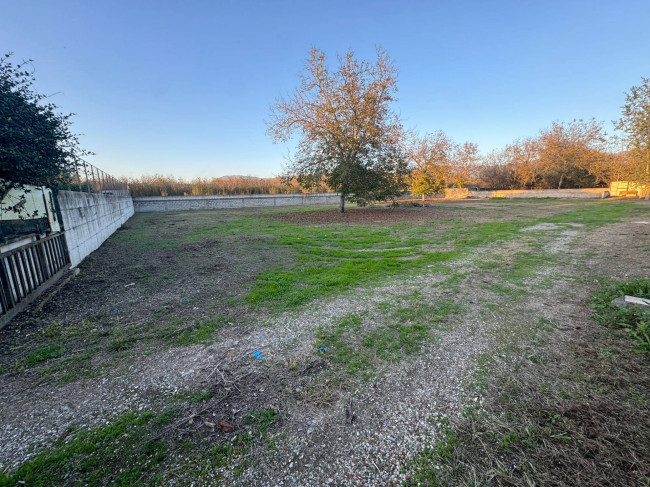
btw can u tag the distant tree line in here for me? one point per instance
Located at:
(576, 154)
(158, 185)
(354, 144)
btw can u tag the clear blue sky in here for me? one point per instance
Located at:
(183, 87)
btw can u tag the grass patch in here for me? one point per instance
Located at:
(193, 397)
(415, 309)
(506, 290)
(594, 214)
(256, 426)
(635, 320)
(172, 330)
(255, 429)
(143, 237)
(134, 450)
(332, 259)
(201, 331)
(523, 265)
(72, 368)
(321, 260)
(125, 453)
(105, 337)
(40, 355)
(428, 468)
(359, 350)
(285, 289)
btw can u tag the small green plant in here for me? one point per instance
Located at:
(193, 397)
(122, 343)
(256, 426)
(416, 309)
(220, 455)
(196, 332)
(510, 438)
(164, 311)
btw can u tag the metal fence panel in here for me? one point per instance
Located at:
(27, 271)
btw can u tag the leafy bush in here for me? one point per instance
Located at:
(36, 144)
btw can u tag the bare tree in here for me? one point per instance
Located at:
(350, 138)
(463, 165)
(523, 155)
(496, 171)
(568, 150)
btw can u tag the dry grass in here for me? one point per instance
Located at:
(575, 414)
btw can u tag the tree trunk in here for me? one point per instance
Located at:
(559, 186)
(423, 198)
(342, 204)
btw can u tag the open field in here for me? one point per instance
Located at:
(444, 345)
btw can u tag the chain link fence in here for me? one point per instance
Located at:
(90, 179)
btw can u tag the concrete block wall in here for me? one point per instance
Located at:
(543, 193)
(456, 193)
(187, 203)
(90, 218)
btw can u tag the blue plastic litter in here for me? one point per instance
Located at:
(258, 355)
(322, 349)
(260, 335)
(116, 310)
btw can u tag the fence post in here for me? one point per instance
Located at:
(76, 170)
(87, 180)
(5, 291)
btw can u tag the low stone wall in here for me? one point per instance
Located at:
(188, 203)
(594, 193)
(456, 193)
(90, 218)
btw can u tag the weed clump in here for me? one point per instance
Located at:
(635, 320)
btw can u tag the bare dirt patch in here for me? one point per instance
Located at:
(421, 213)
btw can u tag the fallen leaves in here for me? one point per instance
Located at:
(226, 427)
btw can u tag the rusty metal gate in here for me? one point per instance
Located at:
(28, 270)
